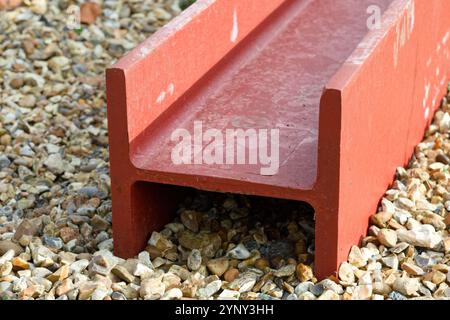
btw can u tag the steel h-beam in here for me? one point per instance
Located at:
(350, 104)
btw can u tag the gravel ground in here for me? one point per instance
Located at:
(55, 207)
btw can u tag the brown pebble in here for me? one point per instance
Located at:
(305, 258)
(304, 272)
(83, 255)
(273, 234)
(68, 234)
(231, 274)
(89, 12)
(410, 252)
(6, 245)
(16, 83)
(261, 264)
(28, 46)
(288, 287)
(277, 262)
(300, 247)
(442, 158)
(18, 67)
(153, 251)
(9, 4)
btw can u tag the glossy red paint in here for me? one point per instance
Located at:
(350, 105)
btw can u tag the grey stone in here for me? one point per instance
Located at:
(53, 242)
(394, 295)
(194, 260)
(239, 252)
(4, 162)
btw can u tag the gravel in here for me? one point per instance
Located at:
(55, 206)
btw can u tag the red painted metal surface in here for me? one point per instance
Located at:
(349, 104)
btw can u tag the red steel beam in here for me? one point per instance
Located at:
(265, 64)
(388, 90)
